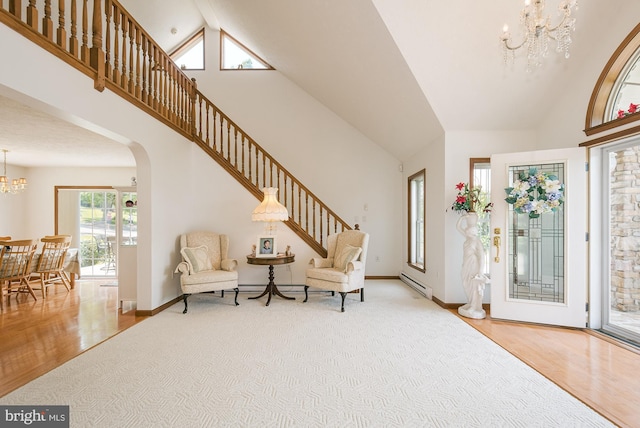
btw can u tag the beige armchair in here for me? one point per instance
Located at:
(205, 267)
(343, 269)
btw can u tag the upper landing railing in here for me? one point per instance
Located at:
(118, 54)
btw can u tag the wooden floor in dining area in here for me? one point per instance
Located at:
(37, 336)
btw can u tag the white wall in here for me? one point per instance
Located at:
(431, 159)
(12, 207)
(447, 163)
(180, 189)
(336, 162)
(227, 209)
(42, 79)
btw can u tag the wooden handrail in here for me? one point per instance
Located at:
(252, 166)
(125, 59)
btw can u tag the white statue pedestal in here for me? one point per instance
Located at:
(467, 313)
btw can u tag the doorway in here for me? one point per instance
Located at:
(620, 216)
(88, 214)
(538, 273)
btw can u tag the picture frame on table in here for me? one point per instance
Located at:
(266, 246)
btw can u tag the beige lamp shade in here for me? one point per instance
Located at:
(270, 209)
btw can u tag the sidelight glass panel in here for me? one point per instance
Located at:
(481, 176)
(536, 247)
(622, 313)
(129, 206)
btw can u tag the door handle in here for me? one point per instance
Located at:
(496, 243)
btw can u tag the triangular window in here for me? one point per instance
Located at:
(236, 56)
(190, 54)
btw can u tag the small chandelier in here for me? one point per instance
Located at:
(538, 32)
(17, 184)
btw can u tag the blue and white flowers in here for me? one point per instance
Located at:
(535, 193)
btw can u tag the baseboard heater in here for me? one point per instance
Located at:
(420, 288)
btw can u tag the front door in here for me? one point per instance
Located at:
(538, 252)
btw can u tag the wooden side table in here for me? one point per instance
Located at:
(271, 288)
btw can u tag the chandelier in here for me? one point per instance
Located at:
(538, 32)
(16, 185)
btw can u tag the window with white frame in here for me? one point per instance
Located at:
(416, 227)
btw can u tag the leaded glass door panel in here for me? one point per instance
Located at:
(535, 246)
(538, 260)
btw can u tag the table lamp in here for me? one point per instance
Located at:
(270, 211)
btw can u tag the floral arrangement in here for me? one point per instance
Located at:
(633, 108)
(535, 193)
(471, 199)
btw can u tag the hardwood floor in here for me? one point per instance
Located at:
(599, 371)
(36, 337)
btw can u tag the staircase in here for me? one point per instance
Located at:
(117, 53)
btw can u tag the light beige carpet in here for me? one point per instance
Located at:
(396, 360)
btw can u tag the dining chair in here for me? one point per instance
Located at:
(15, 266)
(112, 247)
(3, 285)
(49, 264)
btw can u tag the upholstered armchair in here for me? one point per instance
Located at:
(205, 267)
(343, 268)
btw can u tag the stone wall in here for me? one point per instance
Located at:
(625, 231)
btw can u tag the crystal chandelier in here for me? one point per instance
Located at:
(538, 32)
(14, 186)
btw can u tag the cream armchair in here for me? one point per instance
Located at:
(205, 267)
(343, 269)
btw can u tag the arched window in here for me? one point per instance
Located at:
(625, 94)
(618, 84)
(614, 208)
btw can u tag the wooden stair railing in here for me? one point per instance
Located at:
(125, 59)
(252, 166)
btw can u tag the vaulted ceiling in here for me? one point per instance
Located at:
(400, 71)
(403, 71)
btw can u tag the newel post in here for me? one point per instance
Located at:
(96, 53)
